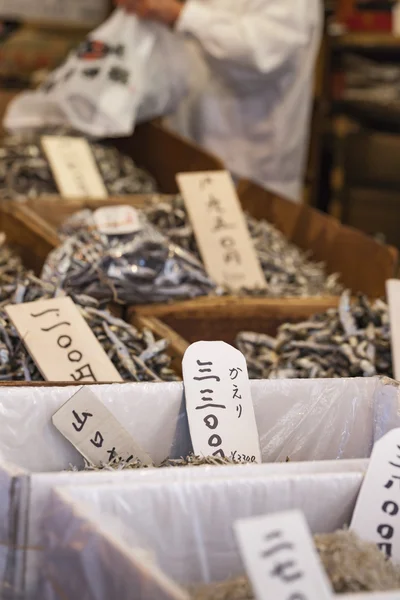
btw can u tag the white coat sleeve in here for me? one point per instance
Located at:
(260, 41)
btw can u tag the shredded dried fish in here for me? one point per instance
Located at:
(137, 355)
(137, 268)
(287, 269)
(26, 174)
(351, 564)
(351, 341)
(190, 461)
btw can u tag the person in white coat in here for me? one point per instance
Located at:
(251, 82)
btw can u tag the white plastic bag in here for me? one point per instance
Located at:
(125, 72)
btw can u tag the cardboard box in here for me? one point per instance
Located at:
(160, 539)
(314, 421)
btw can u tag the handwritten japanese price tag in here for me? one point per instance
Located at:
(94, 431)
(377, 514)
(61, 342)
(218, 402)
(280, 558)
(393, 296)
(221, 230)
(74, 167)
(117, 220)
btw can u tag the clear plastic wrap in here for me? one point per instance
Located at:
(305, 420)
(159, 539)
(321, 419)
(137, 268)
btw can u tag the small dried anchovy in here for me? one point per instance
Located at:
(351, 341)
(137, 355)
(351, 564)
(190, 461)
(287, 269)
(137, 268)
(25, 172)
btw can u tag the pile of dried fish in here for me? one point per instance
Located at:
(351, 564)
(25, 172)
(135, 354)
(351, 341)
(137, 268)
(190, 461)
(287, 269)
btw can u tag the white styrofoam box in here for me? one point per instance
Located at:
(41, 485)
(102, 542)
(86, 13)
(307, 420)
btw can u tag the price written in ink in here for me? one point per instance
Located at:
(218, 402)
(74, 168)
(61, 342)
(377, 512)
(280, 558)
(221, 229)
(95, 432)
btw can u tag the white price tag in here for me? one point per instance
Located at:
(61, 342)
(376, 517)
(218, 402)
(280, 558)
(221, 229)
(94, 431)
(74, 167)
(393, 296)
(117, 220)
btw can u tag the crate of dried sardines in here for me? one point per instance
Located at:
(145, 350)
(309, 422)
(146, 162)
(177, 541)
(158, 263)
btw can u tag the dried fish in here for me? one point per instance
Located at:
(351, 564)
(137, 268)
(135, 354)
(351, 341)
(189, 461)
(25, 172)
(162, 263)
(287, 269)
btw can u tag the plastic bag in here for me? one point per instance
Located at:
(161, 538)
(136, 268)
(125, 72)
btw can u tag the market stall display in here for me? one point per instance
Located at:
(292, 419)
(353, 340)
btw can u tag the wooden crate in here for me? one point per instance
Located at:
(32, 239)
(223, 318)
(164, 154)
(363, 263)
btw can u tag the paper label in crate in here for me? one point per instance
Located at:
(280, 558)
(117, 220)
(61, 342)
(74, 168)
(393, 296)
(221, 230)
(376, 517)
(95, 432)
(218, 402)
